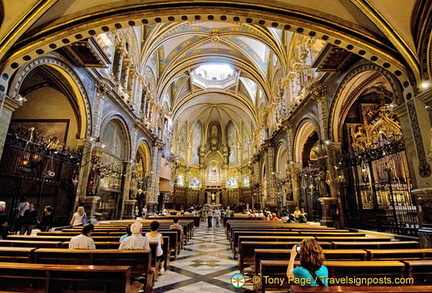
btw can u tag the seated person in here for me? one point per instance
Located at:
(4, 222)
(297, 213)
(128, 233)
(284, 218)
(176, 226)
(136, 241)
(292, 219)
(303, 216)
(155, 239)
(83, 241)
(273, 217)
(4, 228)
(312, 270)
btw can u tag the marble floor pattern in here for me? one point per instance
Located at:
(206, 264)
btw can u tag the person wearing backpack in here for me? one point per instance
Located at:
(79, 218)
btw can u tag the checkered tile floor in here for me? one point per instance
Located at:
(205, 264)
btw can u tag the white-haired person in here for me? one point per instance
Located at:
(136, 240)
(3, 210)
(4, 224)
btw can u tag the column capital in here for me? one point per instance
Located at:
(317, 91)
(12, 103)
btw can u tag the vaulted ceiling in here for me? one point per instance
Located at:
(256, 50)
(216, 71)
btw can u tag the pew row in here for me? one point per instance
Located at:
(44, 278)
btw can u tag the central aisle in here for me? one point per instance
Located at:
(206, 264)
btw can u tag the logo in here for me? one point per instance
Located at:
(256, 279)
(238, 280)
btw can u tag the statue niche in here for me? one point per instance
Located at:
(214, 137)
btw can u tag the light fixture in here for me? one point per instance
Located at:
(425, 84)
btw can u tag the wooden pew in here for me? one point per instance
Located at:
(375, 245)
(98, 244)
(64, 278)
(24, 243)
(241, 239)
(420, 270)
(337, 269)
(188, 225)
(115, 245)
(353, 239)
(329, 254)
(332, 234)
(359, 289)
(279, 232)
(247, 250)
(59, 238)
(16, 254)
(106, 236)
(399, 254)
(139, 260)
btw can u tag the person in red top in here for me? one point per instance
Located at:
(274, 218)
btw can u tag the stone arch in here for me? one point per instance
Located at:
(305, 128)
(116, 118)
(75, 85)
(144, 150)
(56, 37)
(354, 82)
(281, 158)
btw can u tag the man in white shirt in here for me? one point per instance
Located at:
(136, 240)
(83, 241)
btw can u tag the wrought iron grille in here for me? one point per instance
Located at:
(42, 174)
(379, 197)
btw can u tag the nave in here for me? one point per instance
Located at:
(218, 259)
(205, 264)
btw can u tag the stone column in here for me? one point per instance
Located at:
(9, 106)
(90, 203)
(328, 204)
(271, 177)
(318, 92)
(296, 185)
(423, 199)
(118, 73)
(125, 75)
(129, 209)
(102, 91)
(334, 170)
(153, 188)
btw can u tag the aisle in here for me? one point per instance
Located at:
(205, 264)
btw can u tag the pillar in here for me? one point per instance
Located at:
(129, 209)
(153, 188)
(90, 203)
(328, 204)
(423, 199)
(7, 110)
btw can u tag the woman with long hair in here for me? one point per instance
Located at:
(79, 218)
(156, 241)
(311, 271)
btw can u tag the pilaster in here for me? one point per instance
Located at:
(153, 189)
(9, 107)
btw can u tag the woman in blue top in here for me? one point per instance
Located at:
(312, 272)
(128, 233)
